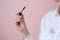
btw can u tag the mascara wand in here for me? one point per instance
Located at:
(20, 13)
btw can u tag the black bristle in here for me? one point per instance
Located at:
(24, 8)
(20, 13)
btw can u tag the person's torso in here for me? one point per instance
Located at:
(53, 26)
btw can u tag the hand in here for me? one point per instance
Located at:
(21, 26)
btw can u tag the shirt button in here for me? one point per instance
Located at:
(52, 30)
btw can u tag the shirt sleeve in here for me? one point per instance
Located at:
(43, 30)
(42, 34)
(29, 37)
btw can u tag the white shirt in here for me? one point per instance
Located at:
(50, 27)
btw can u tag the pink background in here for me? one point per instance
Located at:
(35, 10)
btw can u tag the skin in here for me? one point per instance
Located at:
(20, 23)
(58, 4)
(21, 26)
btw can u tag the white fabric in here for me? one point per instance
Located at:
(50, 27)
(29, 37)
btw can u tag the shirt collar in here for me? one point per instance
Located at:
(56, 13)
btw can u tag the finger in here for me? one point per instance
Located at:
(18, 23)
(19, 19)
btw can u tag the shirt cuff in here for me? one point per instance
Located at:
(29, 37)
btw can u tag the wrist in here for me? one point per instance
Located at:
(26, 34)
